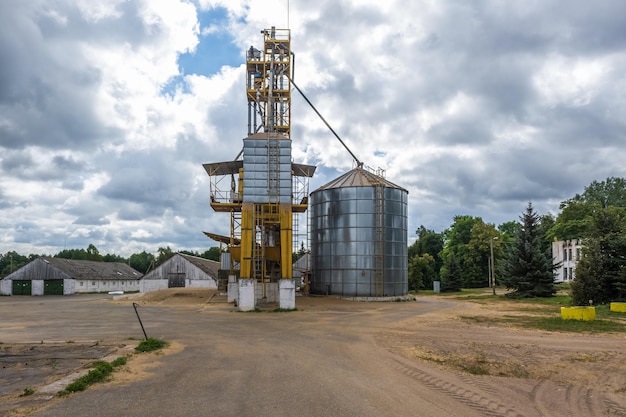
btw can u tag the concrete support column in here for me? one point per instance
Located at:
(287, 294)
(246, 295)
(36, 287)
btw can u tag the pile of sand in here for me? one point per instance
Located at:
(178, 296)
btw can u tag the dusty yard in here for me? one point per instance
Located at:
(471, 364)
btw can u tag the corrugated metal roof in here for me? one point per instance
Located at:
(206, 265)
(93, 270)
(358, 177)
(233, 167)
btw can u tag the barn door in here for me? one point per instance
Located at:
(53, 287)
(22, 287)
(176, 279)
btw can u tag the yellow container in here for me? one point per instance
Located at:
(578, 313)
(618, 307)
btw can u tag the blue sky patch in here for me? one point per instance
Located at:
(215, 49)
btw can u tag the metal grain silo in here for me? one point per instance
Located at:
(359, 237)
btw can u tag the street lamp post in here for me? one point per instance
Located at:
(492, 269)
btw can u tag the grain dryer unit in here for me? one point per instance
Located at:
(263, 190)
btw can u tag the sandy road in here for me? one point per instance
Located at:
(330, 358)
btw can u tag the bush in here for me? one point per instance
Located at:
(150, 344)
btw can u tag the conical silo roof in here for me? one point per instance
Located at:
(358, 177)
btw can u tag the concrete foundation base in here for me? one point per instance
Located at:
(245, 300)
(287, 294)
(233, 289)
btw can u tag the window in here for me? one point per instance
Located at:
(93, 282)
(81, 283)
(571, 273)
(570, 254)
(565, 274)
(577, 254)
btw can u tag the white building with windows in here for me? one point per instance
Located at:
(566, 253)
(59, 276)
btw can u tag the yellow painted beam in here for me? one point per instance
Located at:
(286, 241)
(247, 239)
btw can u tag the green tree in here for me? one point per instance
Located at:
(456, 240)
(78, 254)
(213, 254)
(12, 261)
(421, 272)
(431, 243)
(111, 257)
(528, 269)
(142, 262)
(476, 260)
(164, 254)
(469, 240)
(451, 277)
(576, 217)
(93, 254)
(300, 253)
(601, 272)
(509, 230)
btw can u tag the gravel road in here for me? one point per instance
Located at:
(332, 357)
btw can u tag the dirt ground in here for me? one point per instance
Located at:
(457, 352)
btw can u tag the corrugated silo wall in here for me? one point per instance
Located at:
(343, 241)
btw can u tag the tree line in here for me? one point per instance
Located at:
(460, 256)
(142, 262)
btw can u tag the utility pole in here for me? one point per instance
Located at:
(492, 269)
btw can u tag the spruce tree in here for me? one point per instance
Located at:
(451, 277)
(528, 269)
(601, 272)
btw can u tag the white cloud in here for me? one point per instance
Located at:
(571, 81)
(474, 108)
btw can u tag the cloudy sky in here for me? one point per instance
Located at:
(108, 108)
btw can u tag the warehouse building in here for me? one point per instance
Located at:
(184, 271)
(57, 276)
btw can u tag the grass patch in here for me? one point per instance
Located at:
(550, 320)
(284, 310)
(28, 391)
(593, 326)
(100, 373)
(121, 361)
(552, 323)
(543, 313)
(150, 344)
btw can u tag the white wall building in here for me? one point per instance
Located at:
(58, 276)
(566, 253)
(181, 270)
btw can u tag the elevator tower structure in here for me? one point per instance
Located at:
(263, 191)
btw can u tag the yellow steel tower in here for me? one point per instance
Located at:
(266, 188)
